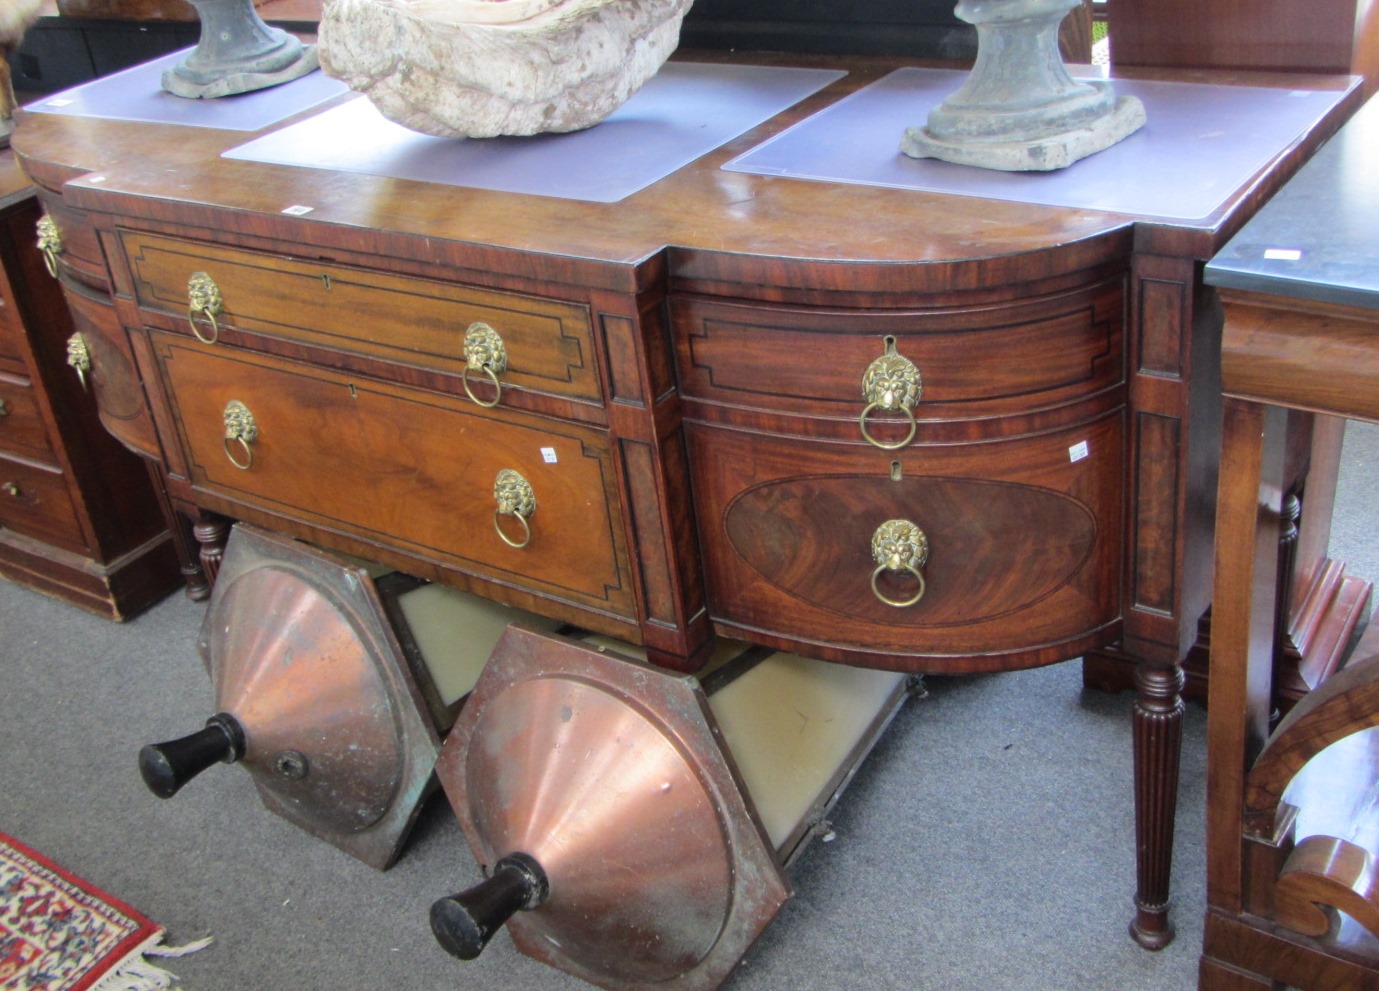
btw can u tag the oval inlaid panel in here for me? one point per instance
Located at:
(994, 547)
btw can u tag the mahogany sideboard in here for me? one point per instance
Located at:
(675, 443)
(1291, 833)
(80, 517)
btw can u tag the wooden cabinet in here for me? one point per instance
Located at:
(693, 357)
(1009, 462)
(80, 517)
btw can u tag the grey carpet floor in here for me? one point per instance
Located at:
(986, 844)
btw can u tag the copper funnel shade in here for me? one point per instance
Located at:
(608, 774)
(335, 733)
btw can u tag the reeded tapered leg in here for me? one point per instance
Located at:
(1158, 729)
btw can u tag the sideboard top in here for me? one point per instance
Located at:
(703, 219)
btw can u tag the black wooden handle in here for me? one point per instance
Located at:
(464, 923)
(166, 767)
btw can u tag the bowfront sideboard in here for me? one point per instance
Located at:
(895, 427)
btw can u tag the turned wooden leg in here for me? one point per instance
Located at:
(211, 533)
(1158, 729)
(184, 545)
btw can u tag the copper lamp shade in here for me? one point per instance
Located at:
(313, 697)
(603, 780)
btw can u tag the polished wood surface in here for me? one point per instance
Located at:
(80, 518)
(717, 303)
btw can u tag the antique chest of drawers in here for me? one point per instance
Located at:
(79, 515)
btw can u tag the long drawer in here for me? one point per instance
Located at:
(410, 469)
(975, 362)
(22, 430)
(1022, 559)
(548, 343)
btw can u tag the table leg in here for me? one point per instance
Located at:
(1158, 735)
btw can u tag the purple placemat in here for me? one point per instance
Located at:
(137, 94)
(684, 111)
(1201, 142)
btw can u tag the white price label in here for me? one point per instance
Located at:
(548, 455)
(1078, 451)
(1282, 254)
(297, 211)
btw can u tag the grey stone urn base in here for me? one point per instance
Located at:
(234, 82)
(1037, 154)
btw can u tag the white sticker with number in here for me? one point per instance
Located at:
(548, 454)
(1078, 451)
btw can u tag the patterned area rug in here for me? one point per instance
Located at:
(58, 933)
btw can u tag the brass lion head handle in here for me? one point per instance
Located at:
(49, 242)
(79, 357)
(484, 349)
(899, 545)
(514, 497)
(892, 384)
(204, 300)
(240, 429)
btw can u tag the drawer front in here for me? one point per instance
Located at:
(74, 244)
(974, 362)
(410, 469)
(410, 321)
(1023, 537)
(21, 426)
(35, 501)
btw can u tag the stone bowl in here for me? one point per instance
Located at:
(484, 68)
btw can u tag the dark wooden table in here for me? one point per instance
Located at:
(713, 328)
(1300, 285)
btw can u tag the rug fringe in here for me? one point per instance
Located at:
(135, 973)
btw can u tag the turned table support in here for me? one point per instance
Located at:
(1158, 736)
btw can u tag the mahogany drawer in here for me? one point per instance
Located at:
(401, 319)
(72, 243)
(35, 501)
(1024, 545)
(22, 430)
(972, 362)
(410, 469)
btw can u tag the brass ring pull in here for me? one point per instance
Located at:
(891, 383)
(515, 497)
(12, 489)
(204, 300)
(484, 349)
(240, 429)
(899, 545)
(79, 357)
(49, 242)
(887, 445)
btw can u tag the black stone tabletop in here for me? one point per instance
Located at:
(1318, 238)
